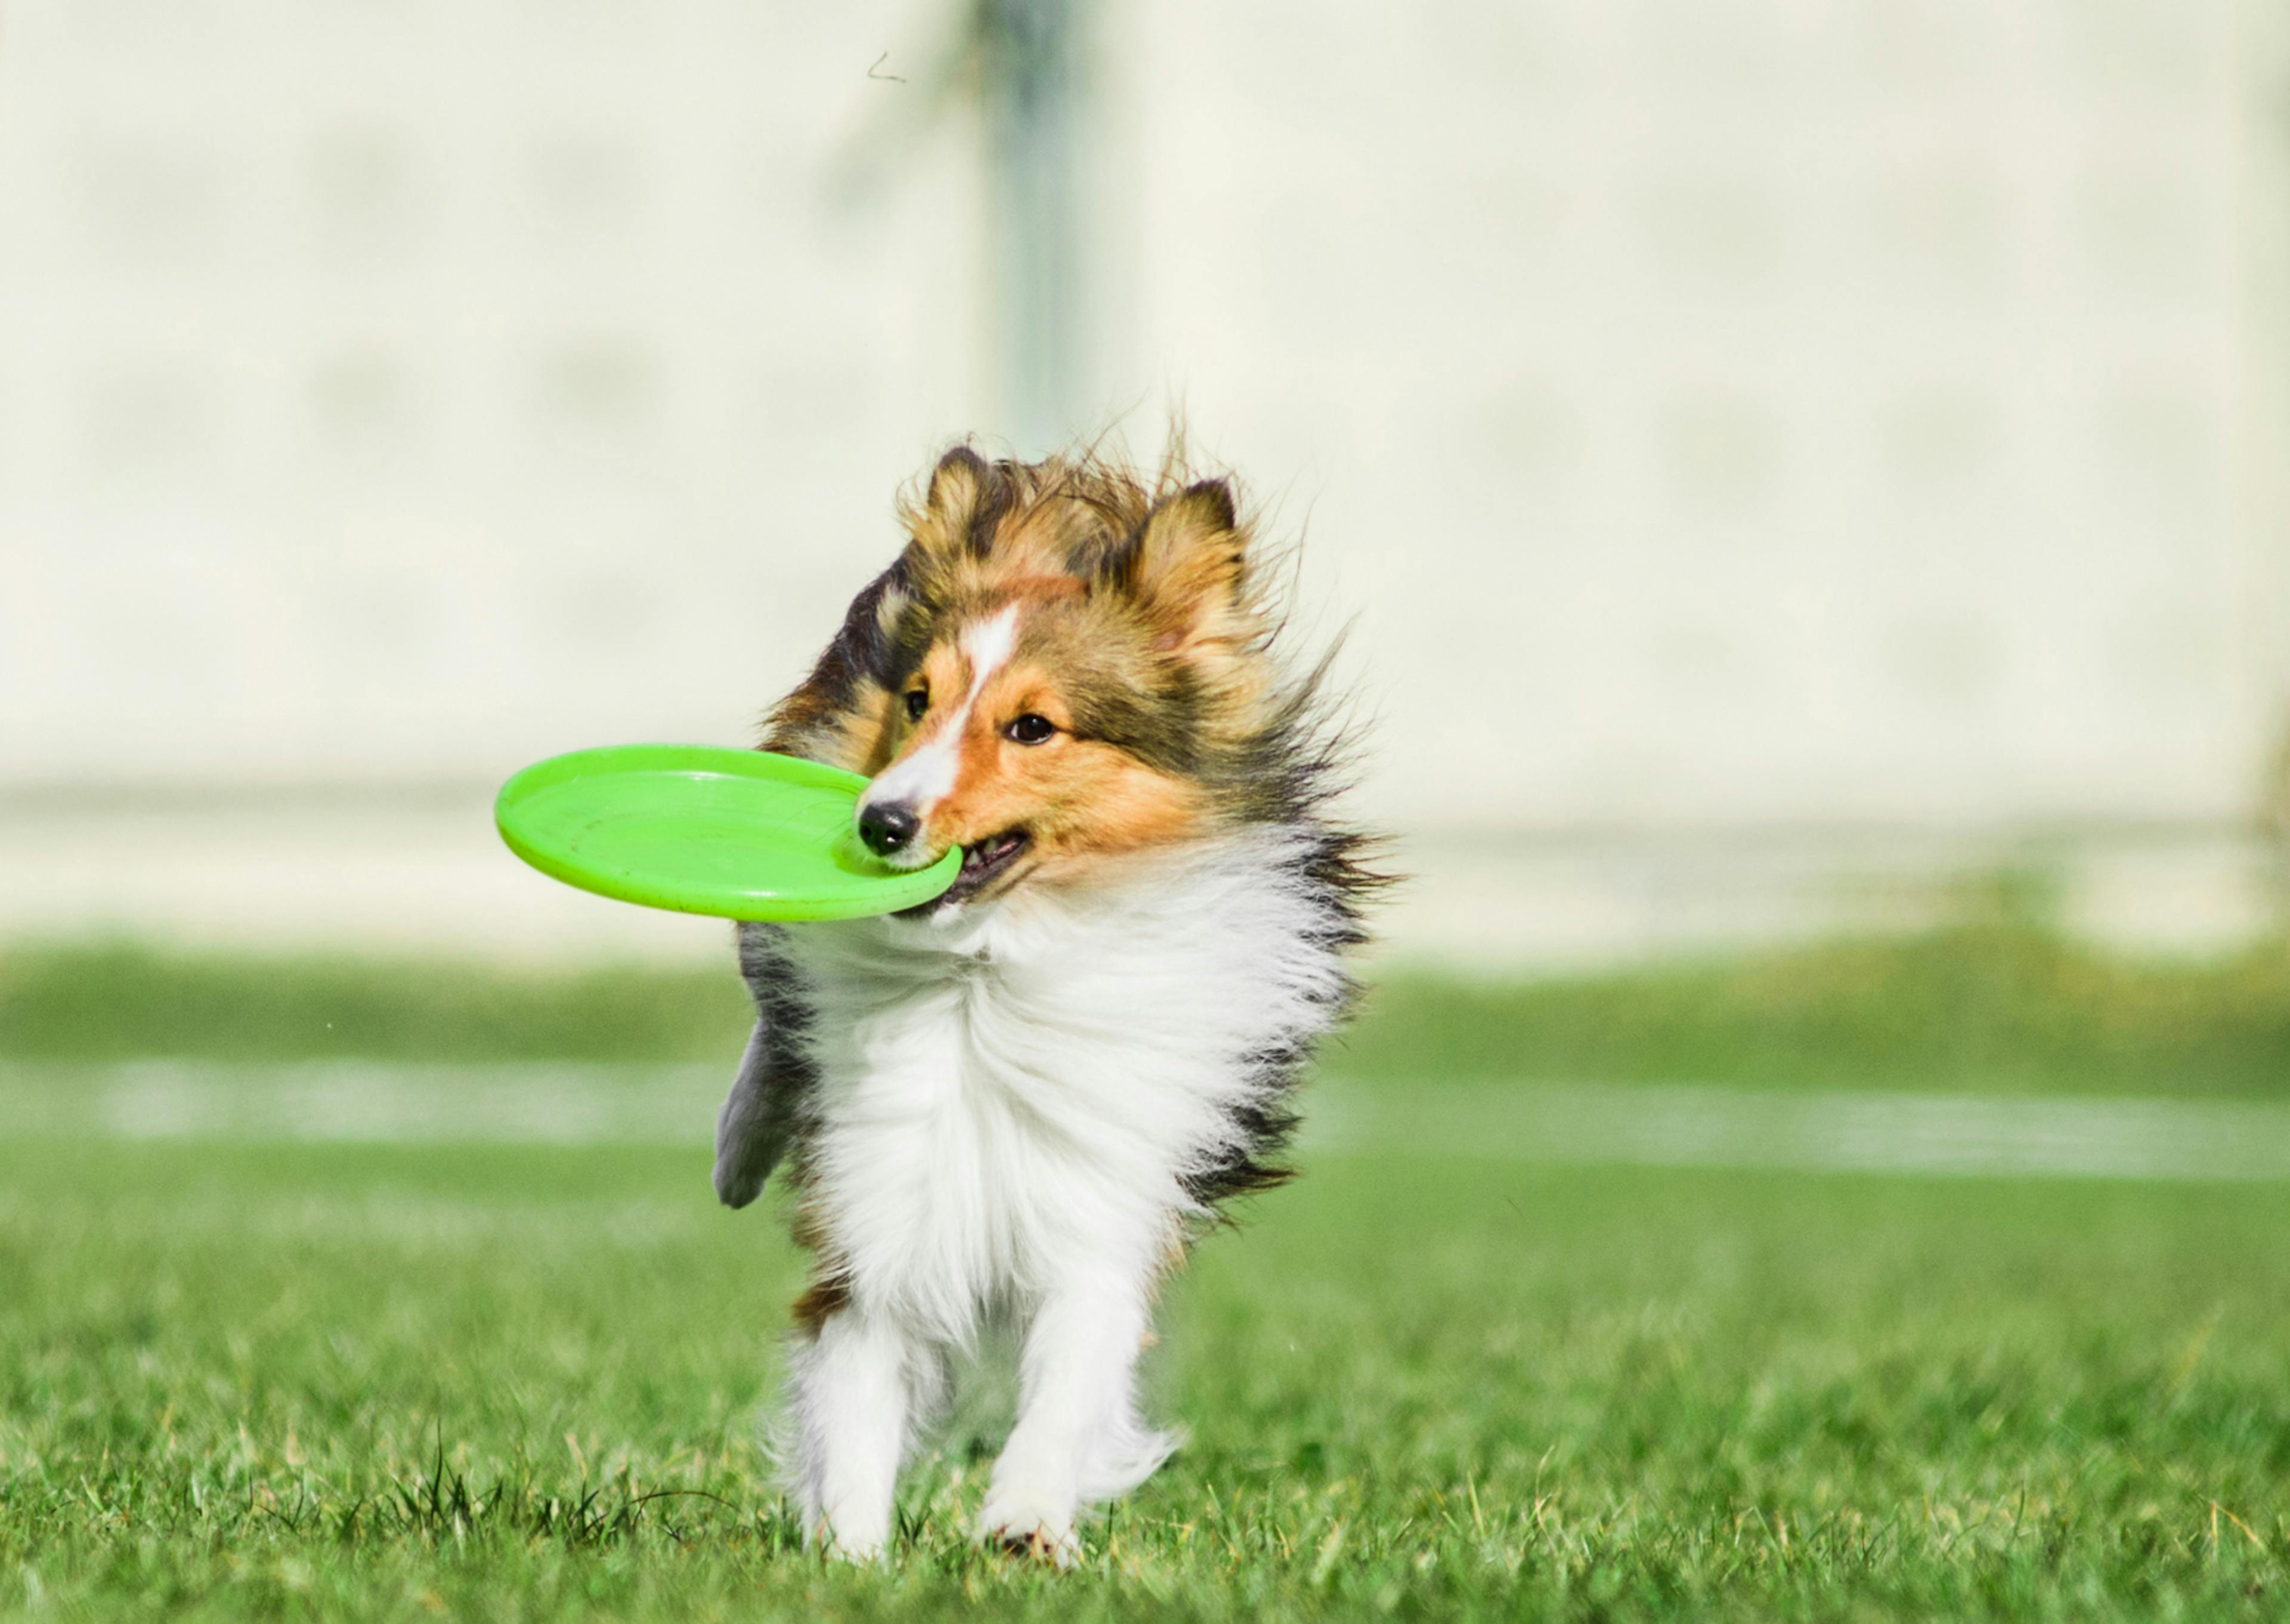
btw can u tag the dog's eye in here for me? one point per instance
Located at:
(1029, 729)
(918, 703)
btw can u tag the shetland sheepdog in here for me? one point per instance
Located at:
(1018, 1104)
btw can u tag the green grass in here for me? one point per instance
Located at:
(118, 1001)
(1968, 1011)
(522, 1383)
(1990, 1005)
(356, 1383)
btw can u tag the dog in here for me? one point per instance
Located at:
(1018, 1105)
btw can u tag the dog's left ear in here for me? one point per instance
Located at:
(962, 507)
(1190, 566)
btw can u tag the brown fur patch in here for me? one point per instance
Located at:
(829, 1291)
(826, 1296)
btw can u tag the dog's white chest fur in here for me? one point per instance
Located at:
(1012, 1101)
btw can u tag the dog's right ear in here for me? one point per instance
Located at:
(1189, 566)
(963, 509)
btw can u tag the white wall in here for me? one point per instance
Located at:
(1745, 411)
(1719, 413)
(405, 388)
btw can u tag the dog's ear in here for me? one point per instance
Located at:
(963, 508)
(1189, 568)
(955, 484)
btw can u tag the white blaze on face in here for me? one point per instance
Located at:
(926, 775)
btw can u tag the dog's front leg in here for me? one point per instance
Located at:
(1076, 1435)
(853, 1401)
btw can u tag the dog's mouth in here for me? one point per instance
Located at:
(984, 861)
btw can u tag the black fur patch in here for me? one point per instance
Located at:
(997, 494)
(790, 1075)
(785, 1015)
(859, 653)
(1341, 882)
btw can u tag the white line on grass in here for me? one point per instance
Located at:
(1668, 1125)
(1679, 1126)
(365, 1102)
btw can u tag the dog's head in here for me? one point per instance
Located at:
(1066, 663)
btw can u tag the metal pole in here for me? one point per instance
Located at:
(1032, 112)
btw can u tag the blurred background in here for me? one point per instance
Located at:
(1811, 486)
(1810, 482)
(1782, 459)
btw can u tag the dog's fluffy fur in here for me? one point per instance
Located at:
(1018, 1104)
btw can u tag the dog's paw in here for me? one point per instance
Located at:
(853, 1539)
(860, 1552)
(1027, 1527)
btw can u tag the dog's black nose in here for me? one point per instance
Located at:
(886, 826)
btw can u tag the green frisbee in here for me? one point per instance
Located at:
(743, 834)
